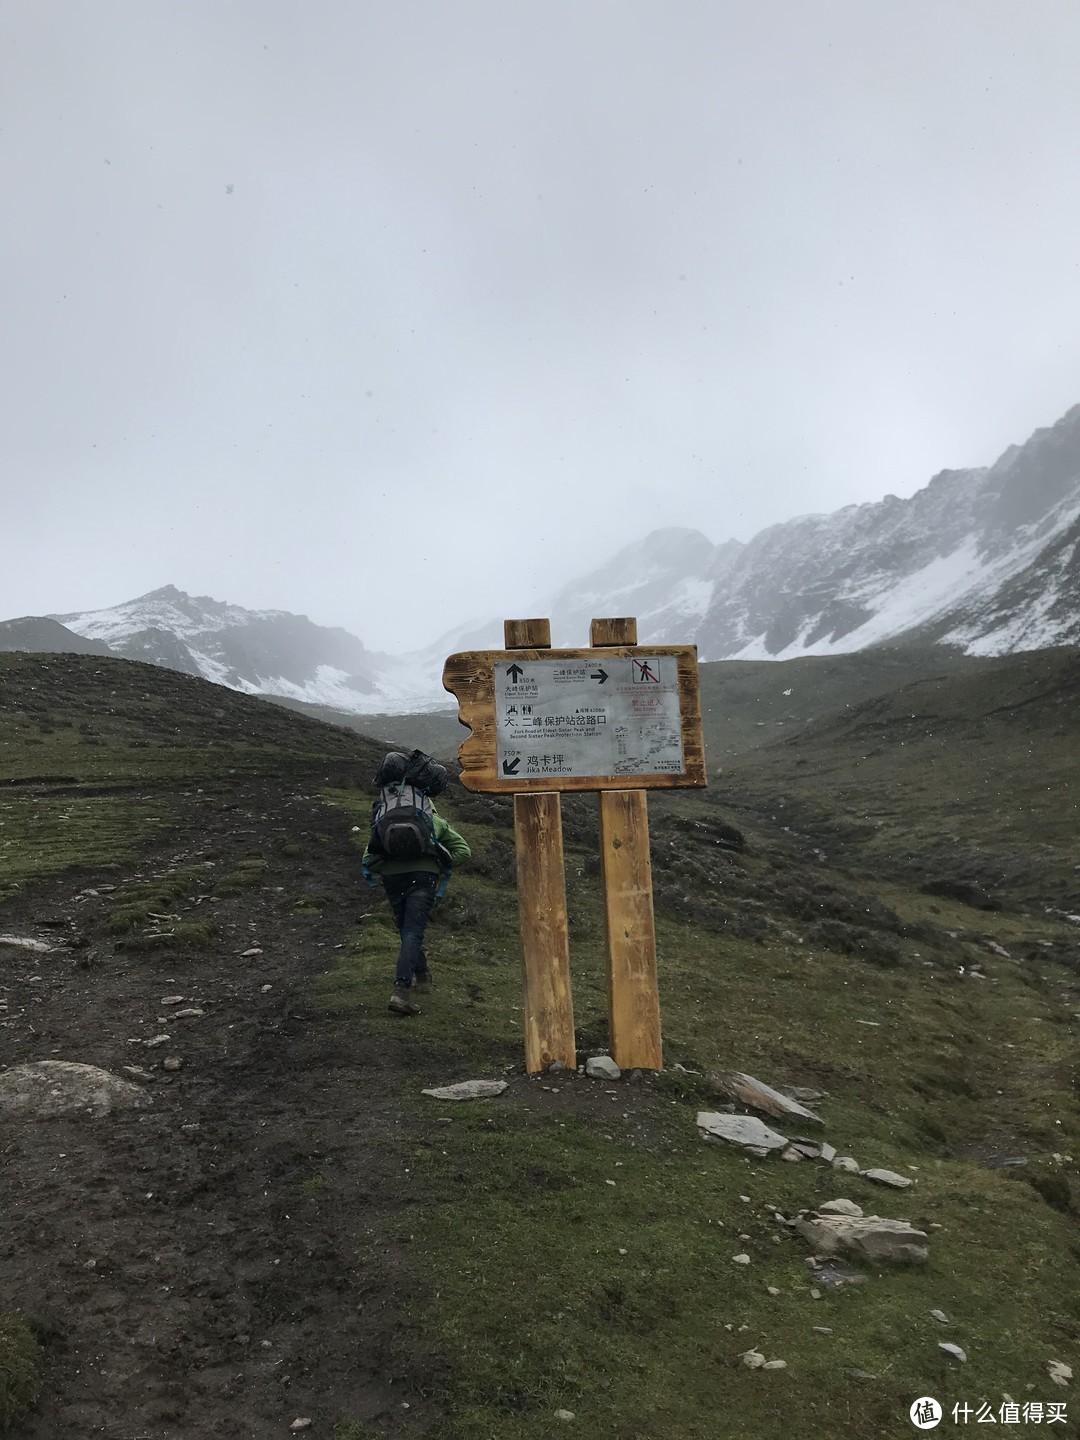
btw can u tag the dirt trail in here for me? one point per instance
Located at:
(207, 1266)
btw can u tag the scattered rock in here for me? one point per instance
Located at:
(467, 1090)
(1059, 1372)
(810, 1149)
(740, 1259)
(246, 954)
(951, 1349)
(553, 1069)
(839, 1207)
(828, 1152)
(802, 1094)
(301, 1422)
(940, 1315)
(64, 1087)
(760, 1096)
(602, 1067)
(752, 1359)
(872, 1237)
(745, 1130)
(887, 1177)
(157, 1040)
(822, 1329)
(846, 1162)
(1005, 1162)
(190, 1014)
(775, 1365)
(564, 1415)
(792, 1155)
(861, 1375)
(171, 1000)
(137, 1073)
(172, 1062)
(772, 1289)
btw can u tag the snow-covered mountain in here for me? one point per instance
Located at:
(987, 560)
(267, 652)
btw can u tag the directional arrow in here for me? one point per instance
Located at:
(515, 672)
(510, 767)
(600, 675)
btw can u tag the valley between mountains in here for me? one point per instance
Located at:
(876, 900)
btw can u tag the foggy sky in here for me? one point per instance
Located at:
(293, 291)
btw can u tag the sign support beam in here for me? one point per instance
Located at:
(547, 1006)
(629, 925)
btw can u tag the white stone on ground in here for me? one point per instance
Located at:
(49, 1088)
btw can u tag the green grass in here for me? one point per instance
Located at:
(21, 1366)
(95, 753)
(817, 955)
(811, 958)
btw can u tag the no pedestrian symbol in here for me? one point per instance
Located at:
(925, 1413)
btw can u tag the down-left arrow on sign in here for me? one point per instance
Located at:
(510, 767)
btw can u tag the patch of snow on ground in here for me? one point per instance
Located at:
(908, 602)
(403, 693)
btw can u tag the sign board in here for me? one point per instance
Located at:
(601, 718)
(588, 717)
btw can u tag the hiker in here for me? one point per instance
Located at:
(412, 850)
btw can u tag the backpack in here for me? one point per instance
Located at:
(403, 824)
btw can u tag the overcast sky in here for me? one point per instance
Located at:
(295, 292)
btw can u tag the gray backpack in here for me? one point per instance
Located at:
(403, 824)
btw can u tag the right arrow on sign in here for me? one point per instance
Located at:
(510, 767)
(600, 675)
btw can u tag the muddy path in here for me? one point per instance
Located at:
(194, 1272)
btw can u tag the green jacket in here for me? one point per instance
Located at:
(445, 835)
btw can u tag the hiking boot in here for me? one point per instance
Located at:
(422, 982)
(401, 1004)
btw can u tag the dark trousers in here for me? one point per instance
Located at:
(411, 897)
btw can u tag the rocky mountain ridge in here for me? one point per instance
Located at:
(986, 560)
(983, 559)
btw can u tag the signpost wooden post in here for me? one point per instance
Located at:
(547, 1009)
(543, 721)
(626, 872)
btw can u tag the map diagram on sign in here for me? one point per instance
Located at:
(618, 715)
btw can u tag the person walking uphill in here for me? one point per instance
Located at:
(412, 850)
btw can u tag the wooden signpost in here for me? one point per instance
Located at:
(617, 718)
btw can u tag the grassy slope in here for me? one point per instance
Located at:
(538, 1284)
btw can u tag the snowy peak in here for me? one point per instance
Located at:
(268, 652)
(982, 558)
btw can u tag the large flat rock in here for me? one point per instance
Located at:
(874, 1238)
(745, 1130)
(50, 1088)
